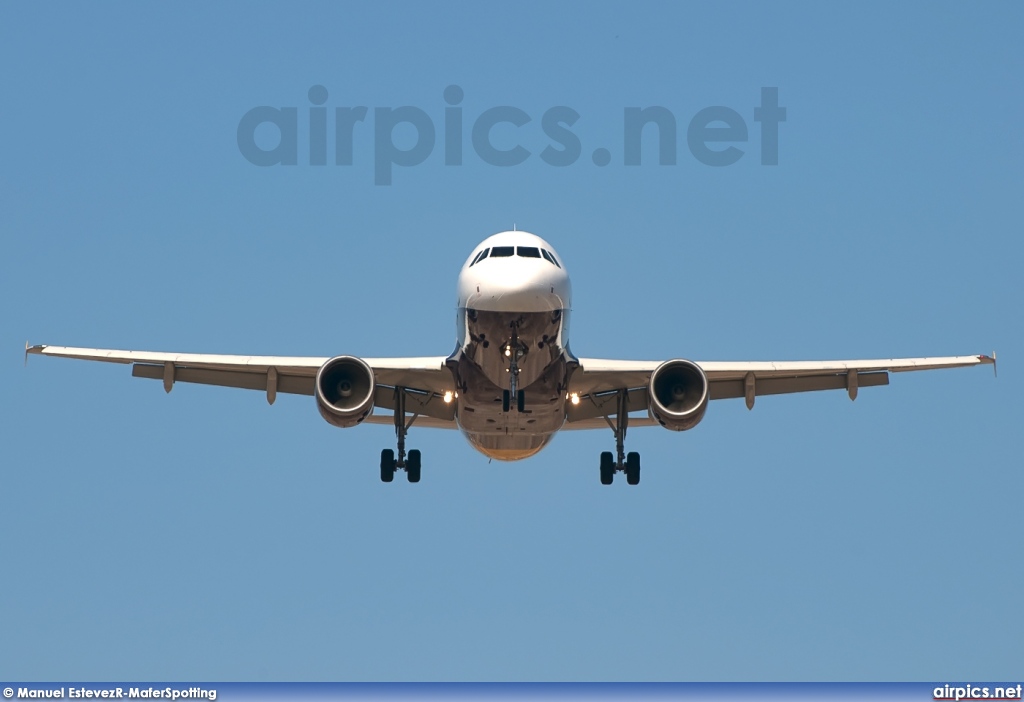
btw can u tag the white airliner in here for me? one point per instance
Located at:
(512, 381)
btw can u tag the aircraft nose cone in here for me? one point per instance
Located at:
(524, 296)
(510, 280)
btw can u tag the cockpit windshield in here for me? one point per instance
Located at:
(550, 257)
(520, 251)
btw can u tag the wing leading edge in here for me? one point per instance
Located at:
(426, 379)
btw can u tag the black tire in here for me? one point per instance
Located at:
(633, 468)
(521, 400)
(387, 465)
(506, 401)
(412, 466)
(607, 468)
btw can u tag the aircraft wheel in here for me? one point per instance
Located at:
(633, 468)
(412, 466)
(387, 465)
(506, 400)
(521, 400)
(607, 468)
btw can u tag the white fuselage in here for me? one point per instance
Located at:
(513, 319)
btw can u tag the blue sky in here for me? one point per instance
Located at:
(205, 535)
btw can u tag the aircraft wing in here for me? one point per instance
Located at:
(426, 379)
(597, 381)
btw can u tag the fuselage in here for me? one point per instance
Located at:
(514, 299)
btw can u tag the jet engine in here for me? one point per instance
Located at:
(678, 393)
(344, 391)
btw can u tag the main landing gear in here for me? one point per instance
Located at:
(411, 463)
(628, 463)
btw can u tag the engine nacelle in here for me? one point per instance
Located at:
(344, 391)
(678, 393)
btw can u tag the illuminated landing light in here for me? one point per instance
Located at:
(574, 398)
(448, 396)
(508, 350)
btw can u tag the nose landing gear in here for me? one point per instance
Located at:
(506, 400)
(514, 350)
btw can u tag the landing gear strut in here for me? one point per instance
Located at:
(514, 351)
(627, 463)
(388, 463)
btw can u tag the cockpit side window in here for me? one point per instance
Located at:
(528, 251)
(549, 257)
(503, 251)
(479, 257)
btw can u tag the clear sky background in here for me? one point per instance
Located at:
(207, 535)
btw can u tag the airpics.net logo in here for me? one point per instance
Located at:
(269, 136)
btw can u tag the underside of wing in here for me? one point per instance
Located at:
(597, 383)
(423, 380)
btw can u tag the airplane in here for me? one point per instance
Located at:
(512, 381)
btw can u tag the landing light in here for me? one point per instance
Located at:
(448, 396)
(508, 350)
(574, 398)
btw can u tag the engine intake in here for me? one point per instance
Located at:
(678, 393)
(344, 391)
